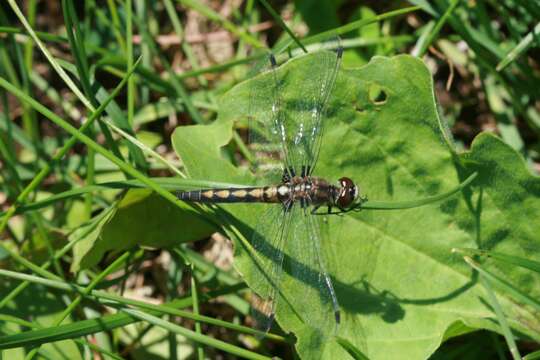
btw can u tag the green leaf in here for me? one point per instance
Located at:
(399, 286)
(88, 234)
(141, 218)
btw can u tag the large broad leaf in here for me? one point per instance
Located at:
(401, 290)
(141, 218)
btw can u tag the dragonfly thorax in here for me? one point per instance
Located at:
(314, 191)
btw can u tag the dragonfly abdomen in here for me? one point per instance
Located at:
(268, 194)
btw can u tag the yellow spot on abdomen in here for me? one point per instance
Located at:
(207, 194)
(270, 192)
(256, 193)
(223, 194)
(240, 193)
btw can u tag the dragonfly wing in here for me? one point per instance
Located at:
(266, 120)
(317, 303)
(286, 119)
(331, 64)
(304, 121)
(268, 240)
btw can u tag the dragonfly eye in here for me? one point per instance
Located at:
(347, 193)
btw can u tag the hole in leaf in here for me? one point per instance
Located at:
(376, 94)
(359, 108)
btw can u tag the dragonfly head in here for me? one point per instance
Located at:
(348, 192)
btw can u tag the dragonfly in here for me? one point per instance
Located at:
(288, 233)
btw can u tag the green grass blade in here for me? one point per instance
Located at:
(176, 84)
(196, 311)
(166, 183)
(507, 333)
(355, 25)
(129, 61)
(115, 265)
(520, 48)
(110, 299)
(192, 335)
(116, 23)
(127, 168)
(509, 259)
(437, 28)
(58, 254)
(110, 322)
(146, 149)
(50, 58)
(212, 15)
(40, 34)
(351, 349)
(69, 309)
(24, 323)
(21, 198)
(532, 356)
(77, 48)
(30, 265)
(186, 47)
(395, 205)
(423, 38)
(504, 285)
(282, 24)
(91, 326)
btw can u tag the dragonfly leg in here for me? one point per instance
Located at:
(273, 61)
(306, 171)
(309, 202)
(303, 172)
(287, 206)
(288, 174)
(285, 177)
(304, 205)
(292, 172)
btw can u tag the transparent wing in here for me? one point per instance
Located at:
(292, 240)
(287, 108)
(264, 118)
(330, 64)
(268, 240)
(304, 124)
(316, 301)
